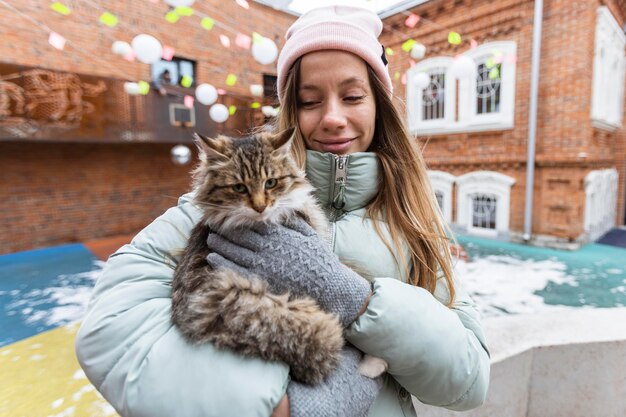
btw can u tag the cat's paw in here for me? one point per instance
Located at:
(372, 367)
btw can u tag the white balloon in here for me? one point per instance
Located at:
(147, 48)
(181, 154)
(256, 90)
(265, 51)
(182, 3)
(269, 111)
(132, 89)
(206, 94)
(121, 48)
(418, 51)
(421, 80)
(463, 67)
(218, 113)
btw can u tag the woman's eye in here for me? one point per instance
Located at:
(271, 183)
(355, 98)
(240, 188)
(309, 103)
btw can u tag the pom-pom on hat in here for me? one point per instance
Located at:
(344, 28)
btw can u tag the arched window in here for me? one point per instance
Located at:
(441, 183)
(431, 106)
(483, 202)
(607, 99)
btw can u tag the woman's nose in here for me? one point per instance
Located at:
(333, 117)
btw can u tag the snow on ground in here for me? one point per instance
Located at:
(65, 301)
(502, 284)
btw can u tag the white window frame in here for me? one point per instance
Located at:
(607, 99)
(415, 96)
(443, 182)
(601, 188)
(504, 118)
(484, 182)
(468, 119)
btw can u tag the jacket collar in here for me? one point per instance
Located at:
(343, 184)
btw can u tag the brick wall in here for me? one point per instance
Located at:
(54, 193)
(564, 128)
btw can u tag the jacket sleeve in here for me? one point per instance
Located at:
(133, 355)
(436, 353)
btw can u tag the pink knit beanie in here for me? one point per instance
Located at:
(344, 28)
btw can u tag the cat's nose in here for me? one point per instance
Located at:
(260, 209)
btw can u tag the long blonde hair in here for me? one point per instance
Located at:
(405, 200)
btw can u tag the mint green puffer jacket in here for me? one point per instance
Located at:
(141, 364)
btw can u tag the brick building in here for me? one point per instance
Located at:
(79, 158)
(474, 122)
(102, 167)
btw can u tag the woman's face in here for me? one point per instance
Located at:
(336, 106)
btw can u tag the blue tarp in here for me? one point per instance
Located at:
(33, 283)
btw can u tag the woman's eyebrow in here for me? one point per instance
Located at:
(352, 80)
(343, 83)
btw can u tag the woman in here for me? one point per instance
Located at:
(335, 88)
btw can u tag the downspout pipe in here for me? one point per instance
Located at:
(532, 120)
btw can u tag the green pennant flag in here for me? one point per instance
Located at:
(60, 8)
(108, 19)
(184, 10)
(207, 23)
(172, 17)
(408, 45)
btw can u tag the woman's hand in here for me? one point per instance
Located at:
(292, 258)
(345, 392)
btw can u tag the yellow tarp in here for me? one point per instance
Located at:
(41, 377)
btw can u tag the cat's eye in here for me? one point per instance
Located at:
(240, 188)
(271, 183)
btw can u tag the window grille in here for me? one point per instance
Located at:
(439, 197)
(484, 211)
(433, 99)
(488, 88)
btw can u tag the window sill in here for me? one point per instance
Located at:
(604, 125)
(483, 127)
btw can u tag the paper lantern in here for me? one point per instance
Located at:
(418, 51)
(121, 48)
(179, 3)
(463, 67)
(264, 51)
(181, 154)
(269, 111)
(256, 90)
(206, 94)
(132, 89)
(218, 113)
(421, 80)
(147, 48)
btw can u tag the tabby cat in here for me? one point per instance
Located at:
(238, 183)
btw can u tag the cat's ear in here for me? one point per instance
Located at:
(212, 149)
(282, 140)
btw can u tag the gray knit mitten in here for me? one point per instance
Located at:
(292, 258)
(344, 393)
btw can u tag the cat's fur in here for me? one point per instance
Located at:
(240, 313)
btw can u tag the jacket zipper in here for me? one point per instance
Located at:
(339, 187)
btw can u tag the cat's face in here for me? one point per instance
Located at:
(242, 181)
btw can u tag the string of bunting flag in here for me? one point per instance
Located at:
(149, 50)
